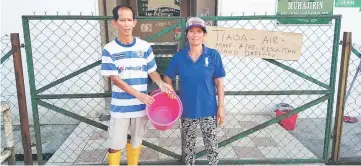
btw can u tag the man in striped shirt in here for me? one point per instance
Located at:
(128, 61)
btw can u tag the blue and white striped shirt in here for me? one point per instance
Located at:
(132, 63)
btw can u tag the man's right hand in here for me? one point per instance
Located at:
(146, 99)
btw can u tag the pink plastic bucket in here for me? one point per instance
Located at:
(164, 112)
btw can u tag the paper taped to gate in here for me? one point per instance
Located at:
(255, 43)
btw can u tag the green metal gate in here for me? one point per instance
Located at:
(63, 58)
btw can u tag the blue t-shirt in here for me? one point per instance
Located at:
(197, 90)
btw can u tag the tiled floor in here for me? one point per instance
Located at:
(87, 144)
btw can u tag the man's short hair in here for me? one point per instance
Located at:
(116, 9)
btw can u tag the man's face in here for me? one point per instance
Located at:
(125, 22)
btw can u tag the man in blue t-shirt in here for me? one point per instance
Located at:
(201, 73)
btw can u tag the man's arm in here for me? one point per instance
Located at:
(146, 99)
(153, 74)
(155, 77)
(164, 87)
(172, 71)
(167, 80)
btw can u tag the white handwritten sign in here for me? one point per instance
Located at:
(255, 43)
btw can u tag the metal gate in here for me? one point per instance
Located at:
(63, 58)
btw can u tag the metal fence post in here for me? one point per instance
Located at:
(31, 74)
(336, 39)
(340, 105)
(25, 131)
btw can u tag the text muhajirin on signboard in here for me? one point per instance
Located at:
(305, 7)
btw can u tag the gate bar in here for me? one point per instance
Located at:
(336, 39)
(231, 162)
(72, 115)
(90, 17)
(235, 93)
(5, 57)
(31, 74)
(294, 71)
(358, 54)
(67, 77)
